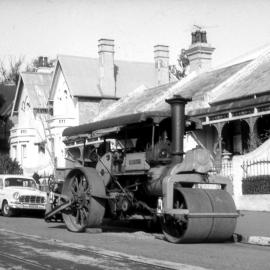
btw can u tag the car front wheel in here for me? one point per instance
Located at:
(6, 210)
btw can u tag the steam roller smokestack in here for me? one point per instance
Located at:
(177, 104)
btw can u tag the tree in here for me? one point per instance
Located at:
(9, 166)
(2, 101)
(183, 63)
(11, 73)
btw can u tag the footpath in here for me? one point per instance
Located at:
(253, 228)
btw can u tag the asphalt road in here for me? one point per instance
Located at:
(52, 246)
(18, 251)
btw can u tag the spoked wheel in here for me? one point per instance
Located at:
(174, 228)
(85, 189)
(6, 210)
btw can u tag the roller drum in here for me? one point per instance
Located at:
(211, 217)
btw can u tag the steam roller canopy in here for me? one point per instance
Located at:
(211, 216)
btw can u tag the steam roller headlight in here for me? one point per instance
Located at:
(163, 153)
(16, 196)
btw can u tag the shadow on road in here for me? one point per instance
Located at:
(118, 226)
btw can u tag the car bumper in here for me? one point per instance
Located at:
(29, 206)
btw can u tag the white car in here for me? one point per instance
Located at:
(19, 192)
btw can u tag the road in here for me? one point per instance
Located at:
(34, 243)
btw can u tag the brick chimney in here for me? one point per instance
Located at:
(106, 67)
(161, 56)
(200, 52)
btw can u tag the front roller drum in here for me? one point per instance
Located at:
(211, 216)
(85, 189)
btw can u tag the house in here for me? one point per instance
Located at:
(7, 93)
(78, 90)
(232, 103)
(28, 138)
(83, 87)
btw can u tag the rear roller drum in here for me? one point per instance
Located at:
(211, 216)
(85, 189)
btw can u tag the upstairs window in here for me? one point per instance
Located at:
(24, 151)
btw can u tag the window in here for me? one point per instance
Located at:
(14, 151)
(24, 151)
(1, 183)
(41, 148)
(19, 182)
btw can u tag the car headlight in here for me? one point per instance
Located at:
(16, 196)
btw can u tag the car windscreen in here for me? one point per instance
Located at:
(19, 182)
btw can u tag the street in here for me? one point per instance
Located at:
(31, 243)
(34, 253)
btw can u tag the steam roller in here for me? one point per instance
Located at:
(140, 169)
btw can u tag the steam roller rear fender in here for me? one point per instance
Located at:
(85, 187)
(211, 216)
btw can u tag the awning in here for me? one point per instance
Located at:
(156, 116)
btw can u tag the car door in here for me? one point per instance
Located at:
(1, 190)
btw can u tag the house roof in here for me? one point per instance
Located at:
(38, 87)
(82, 77)
(152, 99)
(226, 85)
(256, 82)
(7, 94)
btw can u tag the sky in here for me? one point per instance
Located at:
(31, 28)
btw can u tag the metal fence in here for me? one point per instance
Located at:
(256, 177)
(223, 168)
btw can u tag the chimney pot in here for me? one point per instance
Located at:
(199, 52)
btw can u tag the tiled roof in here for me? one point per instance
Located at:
(132, 75)
(81, 74)
(207, 81)
(254, 81)
(7, 93)
(140, 100)
(153, 99)
(38, 87)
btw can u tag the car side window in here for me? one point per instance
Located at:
(1, 183)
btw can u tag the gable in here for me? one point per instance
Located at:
(63, 102)
(38, 87)
(81, 75)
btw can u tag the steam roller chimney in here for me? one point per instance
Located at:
(177, 104)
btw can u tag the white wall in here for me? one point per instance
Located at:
(65, 114)
(25, 135)
(63, 104)
(258, 202)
